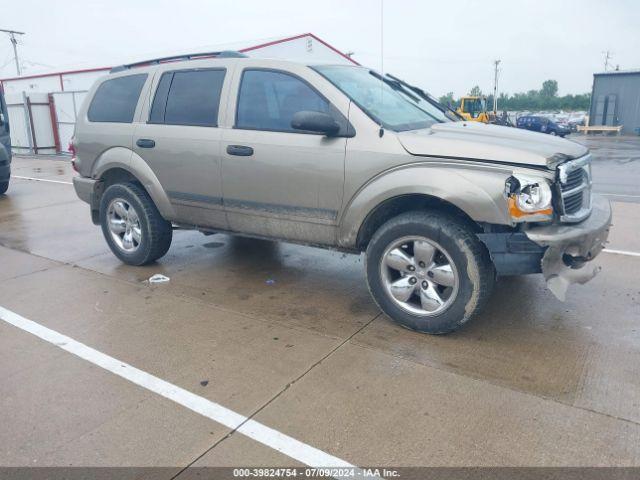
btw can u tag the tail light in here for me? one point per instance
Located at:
(72, 149)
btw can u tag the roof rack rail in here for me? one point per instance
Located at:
(177, 58)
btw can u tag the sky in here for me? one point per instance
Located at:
(441, 46)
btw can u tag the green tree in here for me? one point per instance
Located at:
(549, 88)
(534, 100)
(448, 100)
(475, 91)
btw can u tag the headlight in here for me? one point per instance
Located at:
(529, 199)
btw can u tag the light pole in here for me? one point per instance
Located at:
(495, 86)
(14, 43)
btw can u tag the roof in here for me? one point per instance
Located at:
(632, 71)
(243, 47)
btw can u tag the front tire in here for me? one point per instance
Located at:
(4, 186)
(132, 225)
(428, 271)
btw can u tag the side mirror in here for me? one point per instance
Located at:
(315, 122)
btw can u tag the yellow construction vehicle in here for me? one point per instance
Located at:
(474, 108)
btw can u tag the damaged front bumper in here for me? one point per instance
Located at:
(571, 247)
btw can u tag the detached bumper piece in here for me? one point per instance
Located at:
(571, 247)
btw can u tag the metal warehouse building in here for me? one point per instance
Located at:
(43, 107)
(615, 100)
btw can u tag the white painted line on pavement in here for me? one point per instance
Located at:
(289, 446)
(622, 252)
(41, 179)
(617, 195)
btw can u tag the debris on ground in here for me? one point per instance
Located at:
(158, 278)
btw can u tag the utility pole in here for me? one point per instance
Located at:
(495, 86)
(607, 57)
(14, 42)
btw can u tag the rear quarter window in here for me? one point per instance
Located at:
(115, 100)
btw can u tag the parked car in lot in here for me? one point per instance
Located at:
(542, 124)
(5, 146)
(332, 156)
(576, 119)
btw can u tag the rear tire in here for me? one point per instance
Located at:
(132, 225)
(3, 187)
(434, 261)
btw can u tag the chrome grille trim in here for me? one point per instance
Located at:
(574, 182)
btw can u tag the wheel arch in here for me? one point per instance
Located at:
(462, 193)
(134, 170)
(397, 205)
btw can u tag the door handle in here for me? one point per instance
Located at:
(239, 150)
(146, 143)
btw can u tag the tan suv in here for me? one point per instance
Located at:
(339, 157)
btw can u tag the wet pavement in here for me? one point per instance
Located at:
(616, 164)
(289, 336)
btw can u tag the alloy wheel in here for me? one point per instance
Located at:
(124, 225)
(419, 275)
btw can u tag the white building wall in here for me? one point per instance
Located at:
(46, 84)
(24, 124)
(20, 129)
(81, 81)
(305, 50)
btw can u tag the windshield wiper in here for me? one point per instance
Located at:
(393, 83)
(426, 96)
(399, 87)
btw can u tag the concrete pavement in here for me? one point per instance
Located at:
(288, 336)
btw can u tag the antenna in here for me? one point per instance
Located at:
(14, 42)
(607, 56)
(381, 60)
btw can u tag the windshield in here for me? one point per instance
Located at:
(383, 100)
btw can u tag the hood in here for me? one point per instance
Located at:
(492, 143)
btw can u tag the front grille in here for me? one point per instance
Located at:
(574, 180)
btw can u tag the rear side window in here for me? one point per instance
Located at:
(268, 100)
(188, 97)
(116, 99)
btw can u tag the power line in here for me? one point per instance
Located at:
(14, 43)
